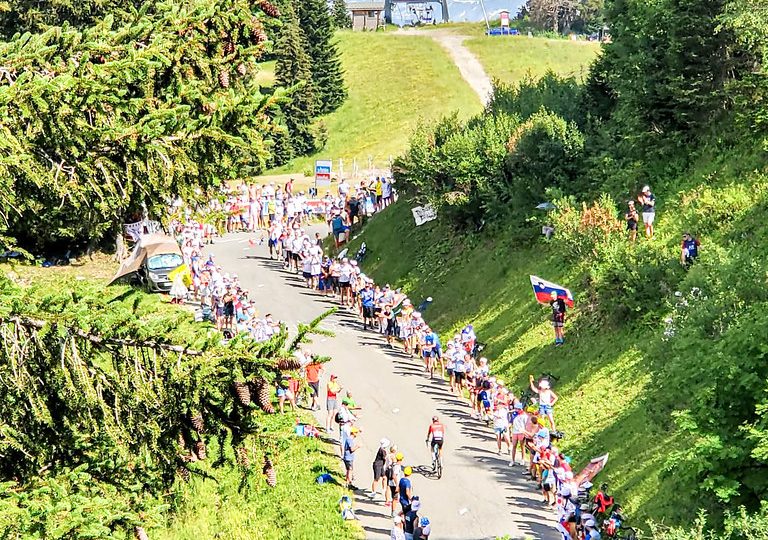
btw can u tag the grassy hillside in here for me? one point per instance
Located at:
(394, 81)
(615, 386)
(510, 58)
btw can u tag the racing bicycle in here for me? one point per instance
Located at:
(437, 461)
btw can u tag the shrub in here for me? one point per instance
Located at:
(544, 152)
(560, 95)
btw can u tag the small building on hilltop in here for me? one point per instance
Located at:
(366, 15)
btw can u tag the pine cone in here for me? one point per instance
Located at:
(242, 393)
(241, 69)
(140, 533)
(197, 422)
(264, 396)
(258, 35)
(182, 442)
(268, 8)
(288, 364)
(269, 472)
(224, 79)
(200, 449)
(242, 457)
(184, 473)
(229, 48)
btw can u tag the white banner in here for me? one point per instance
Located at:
(135, 230)
(422, 214)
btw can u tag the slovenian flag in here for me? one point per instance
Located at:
(542, 289)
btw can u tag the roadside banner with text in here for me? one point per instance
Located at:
(323, 172)
(422, 214)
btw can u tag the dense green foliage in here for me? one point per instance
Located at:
(111, 105)
(341, 16)
(564, 16)
(293, 71)
(325, 66)
(117, 397)
(677, 101)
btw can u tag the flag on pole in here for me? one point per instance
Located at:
(542, 289)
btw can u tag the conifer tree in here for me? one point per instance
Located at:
(293, 72)
(341, 16)
(327, 73)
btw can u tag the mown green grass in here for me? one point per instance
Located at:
(394, 82)
(240, 506)
(610, 396)
(511, 58)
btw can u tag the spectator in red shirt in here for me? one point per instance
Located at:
(313, 371)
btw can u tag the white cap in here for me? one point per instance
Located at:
(544, 384)
(397, 520)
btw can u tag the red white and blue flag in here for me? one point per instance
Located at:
(542, 289)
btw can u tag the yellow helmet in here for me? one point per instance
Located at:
(399, 456)
(408, 471)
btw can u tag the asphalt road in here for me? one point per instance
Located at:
(479, 496)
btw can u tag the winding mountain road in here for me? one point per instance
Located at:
(479, 496)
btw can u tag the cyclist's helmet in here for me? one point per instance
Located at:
(434, 418)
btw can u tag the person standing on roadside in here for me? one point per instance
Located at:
(312, 371)
(351, 445)
(379, 468)
(397, 529)
(648, 202)
(331, 404)
(631, 218)
(405, 490)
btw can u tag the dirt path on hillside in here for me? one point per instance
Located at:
(469, 66)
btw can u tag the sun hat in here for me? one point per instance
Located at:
(646, 189)
(541, 433)
(415, 505)
(544, 383)
(589, 523)
(424, 522)
(355, 429)
(397, 520)
(384, 442)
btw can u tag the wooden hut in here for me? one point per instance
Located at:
(366, 15)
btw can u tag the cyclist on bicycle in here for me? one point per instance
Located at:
(436, 433)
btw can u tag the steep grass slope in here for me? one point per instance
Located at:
(614, 386)
(511, 58)
(393, 81)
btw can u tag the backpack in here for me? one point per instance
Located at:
(338, 418)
